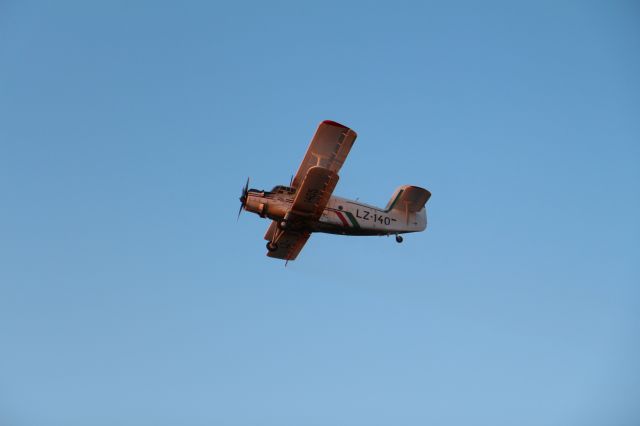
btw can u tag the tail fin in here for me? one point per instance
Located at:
(408, 199)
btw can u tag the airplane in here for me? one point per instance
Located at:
(307, 204)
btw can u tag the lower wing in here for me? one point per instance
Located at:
(289, 244)
(308, 205)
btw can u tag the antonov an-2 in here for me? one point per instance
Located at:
(307, 206)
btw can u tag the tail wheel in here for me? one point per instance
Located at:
(399, 239)
(272, 246)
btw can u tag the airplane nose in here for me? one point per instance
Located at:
(243, 197)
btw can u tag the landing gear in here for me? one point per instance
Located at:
(272, 246)
(399, 239)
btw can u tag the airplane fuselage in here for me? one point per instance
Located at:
(308, 205)
(340, 216)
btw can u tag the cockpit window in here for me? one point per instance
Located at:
(281, 189)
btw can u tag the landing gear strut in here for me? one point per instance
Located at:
(399, 239)
(272, 246)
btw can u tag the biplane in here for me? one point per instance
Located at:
(308, 205)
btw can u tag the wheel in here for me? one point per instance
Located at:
(272, 246)
(399, 238)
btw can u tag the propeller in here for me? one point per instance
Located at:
(243, 197)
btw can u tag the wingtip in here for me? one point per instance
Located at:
(334, 123)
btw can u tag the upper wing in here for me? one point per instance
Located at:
(315, 181)
(313, 194)
(329, 148)
(289, 245)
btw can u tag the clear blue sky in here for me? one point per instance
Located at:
(129, 295)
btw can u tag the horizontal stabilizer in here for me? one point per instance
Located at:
(408, 198)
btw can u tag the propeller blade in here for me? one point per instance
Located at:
(239, 211)
(243, 198)
(245, 188)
